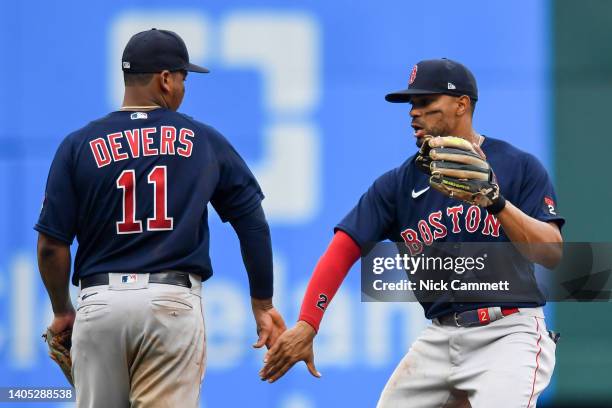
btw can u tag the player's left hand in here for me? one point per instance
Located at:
(63, 321)
(459, 169)
(58, 337)
(294, 345)
(270, 324)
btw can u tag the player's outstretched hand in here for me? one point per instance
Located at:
(293, 345)
(270, 324)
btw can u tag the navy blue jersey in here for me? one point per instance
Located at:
(401, 207)
(133, 187)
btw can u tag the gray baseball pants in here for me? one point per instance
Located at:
(138, 344)
(505, 364)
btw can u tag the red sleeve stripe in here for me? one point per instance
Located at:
(327, 277)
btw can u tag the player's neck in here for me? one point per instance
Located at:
(468, 133)
(476, 138)
(141, 100)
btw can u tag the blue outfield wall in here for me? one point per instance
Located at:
(299, 90)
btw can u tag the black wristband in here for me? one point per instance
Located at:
(497, 206)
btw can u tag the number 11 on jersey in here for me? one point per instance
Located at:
(160, 221)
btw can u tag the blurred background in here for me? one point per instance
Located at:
(298, 88)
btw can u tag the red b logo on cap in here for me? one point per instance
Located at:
(413, 75)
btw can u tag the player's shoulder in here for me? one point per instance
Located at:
(396, 175)
(89, 129)
(202, 127)
(495, 145)
(509, 153)
(76, 137)
(405, 169)
(80, 136)
(192, 122)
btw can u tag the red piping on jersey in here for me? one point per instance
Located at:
(332, 268)
(535, 373)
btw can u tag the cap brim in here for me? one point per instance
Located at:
(405, 94)
(197, 68)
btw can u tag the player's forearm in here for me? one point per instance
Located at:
(327, 277)
(261, 304)
(538, 241)
(54, 266)
(256, 248)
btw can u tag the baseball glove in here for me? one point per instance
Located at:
(458, 170)
(59, 350)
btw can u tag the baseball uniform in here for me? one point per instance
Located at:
(491, 353)
(447, 361)
(133, 188)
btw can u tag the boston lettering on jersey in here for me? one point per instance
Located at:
(130, 143)
(431, 228)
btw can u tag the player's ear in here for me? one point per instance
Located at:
(463, 105)
(165, 80)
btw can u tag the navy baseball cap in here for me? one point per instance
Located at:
(156, 50)
(437, 76)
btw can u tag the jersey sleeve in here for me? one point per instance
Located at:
(537, 197)
(58, 216)
(237, 192)
(327, 277)
(373, 216)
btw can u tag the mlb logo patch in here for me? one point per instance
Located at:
(131, 278)
(138, 115)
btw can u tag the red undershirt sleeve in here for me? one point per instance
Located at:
(327, 277)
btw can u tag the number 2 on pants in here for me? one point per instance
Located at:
(160, 222)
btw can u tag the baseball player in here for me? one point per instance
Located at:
(133, 187)
(484, 354)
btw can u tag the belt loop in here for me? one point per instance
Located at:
(196, 284)
(495, 313)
